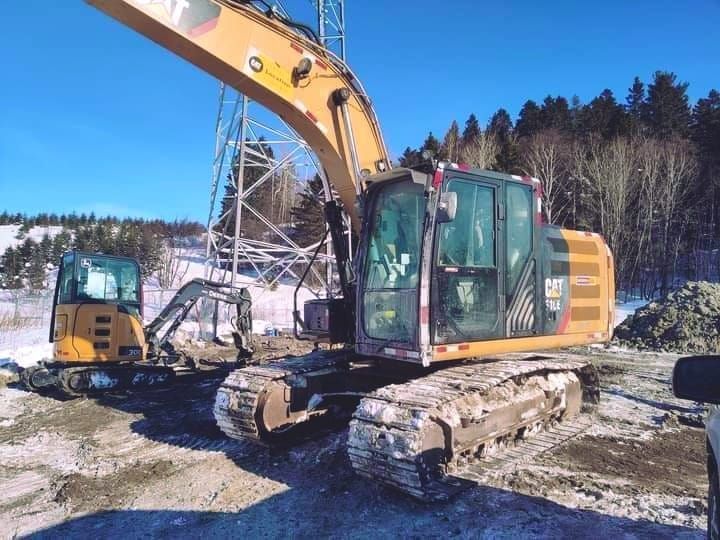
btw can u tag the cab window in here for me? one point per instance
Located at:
(66, 279)
(519, 232)
(107, 280)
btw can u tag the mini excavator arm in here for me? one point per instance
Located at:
(175, 312)
(262, 56)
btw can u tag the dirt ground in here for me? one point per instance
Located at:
(154, 464)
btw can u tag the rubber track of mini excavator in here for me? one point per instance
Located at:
(239, 396)
(387, 428)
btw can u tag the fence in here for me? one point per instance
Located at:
(24, 318)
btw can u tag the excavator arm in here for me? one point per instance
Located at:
(262, 56)
(175, 312)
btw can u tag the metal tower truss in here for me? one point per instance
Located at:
(331, 25)
(243, 167)
(253, 143)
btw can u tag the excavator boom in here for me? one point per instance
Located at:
(264, 58)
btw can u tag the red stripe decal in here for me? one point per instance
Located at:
(424, 315)
(298, 48)
(204, 27)
(320, 63)
(311, 116)
(564, 321)
(441, 349)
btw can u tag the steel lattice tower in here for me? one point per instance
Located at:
(241, 125)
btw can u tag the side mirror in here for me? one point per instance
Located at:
(446, 208)
(697, 378)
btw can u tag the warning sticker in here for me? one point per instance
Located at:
(586, 280)
(268, 73)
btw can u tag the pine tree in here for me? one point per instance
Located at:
(36, 270)
(12, 269)
(635, 103)
(530, 119)
(705, 134)
(501, 127)
(150, 252)
(604, 116)
(555, 114)
(667, 112)
(60, 244)
(258, 160)
(104, 238)
(432, 145)
(45, 248)
(575, 110)
(26, 249)
(411, 158)
(85, 238)
(706, 127)
(471, 131)
(307, 214)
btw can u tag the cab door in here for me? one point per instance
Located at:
(468, 274)
(521, 267)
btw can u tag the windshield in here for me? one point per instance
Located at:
(392, 266)
(109, 280)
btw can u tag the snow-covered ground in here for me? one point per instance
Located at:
(624, 309)
(8, 234)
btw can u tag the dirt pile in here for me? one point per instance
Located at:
(686, 320)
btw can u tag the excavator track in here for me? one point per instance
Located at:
(436, 435)
(240, 404)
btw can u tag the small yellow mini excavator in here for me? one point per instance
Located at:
(99, 342)
(454, 266)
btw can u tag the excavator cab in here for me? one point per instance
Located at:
(97, 309)
(488, 277)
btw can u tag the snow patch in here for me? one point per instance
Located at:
(8, 234)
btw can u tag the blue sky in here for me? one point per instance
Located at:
(95, 117)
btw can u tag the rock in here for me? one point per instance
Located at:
(9, 373)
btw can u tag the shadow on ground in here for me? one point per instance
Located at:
(484, 512)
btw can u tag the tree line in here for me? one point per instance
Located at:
(147, 241)
(643, 172)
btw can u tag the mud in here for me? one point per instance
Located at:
(679, 453)
(155, 464)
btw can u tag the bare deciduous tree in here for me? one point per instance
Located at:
(173, 266)
(609, 172)
(480, 152)
(545, 156)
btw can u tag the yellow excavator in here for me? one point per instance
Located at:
(454, 266)
(99, 341)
